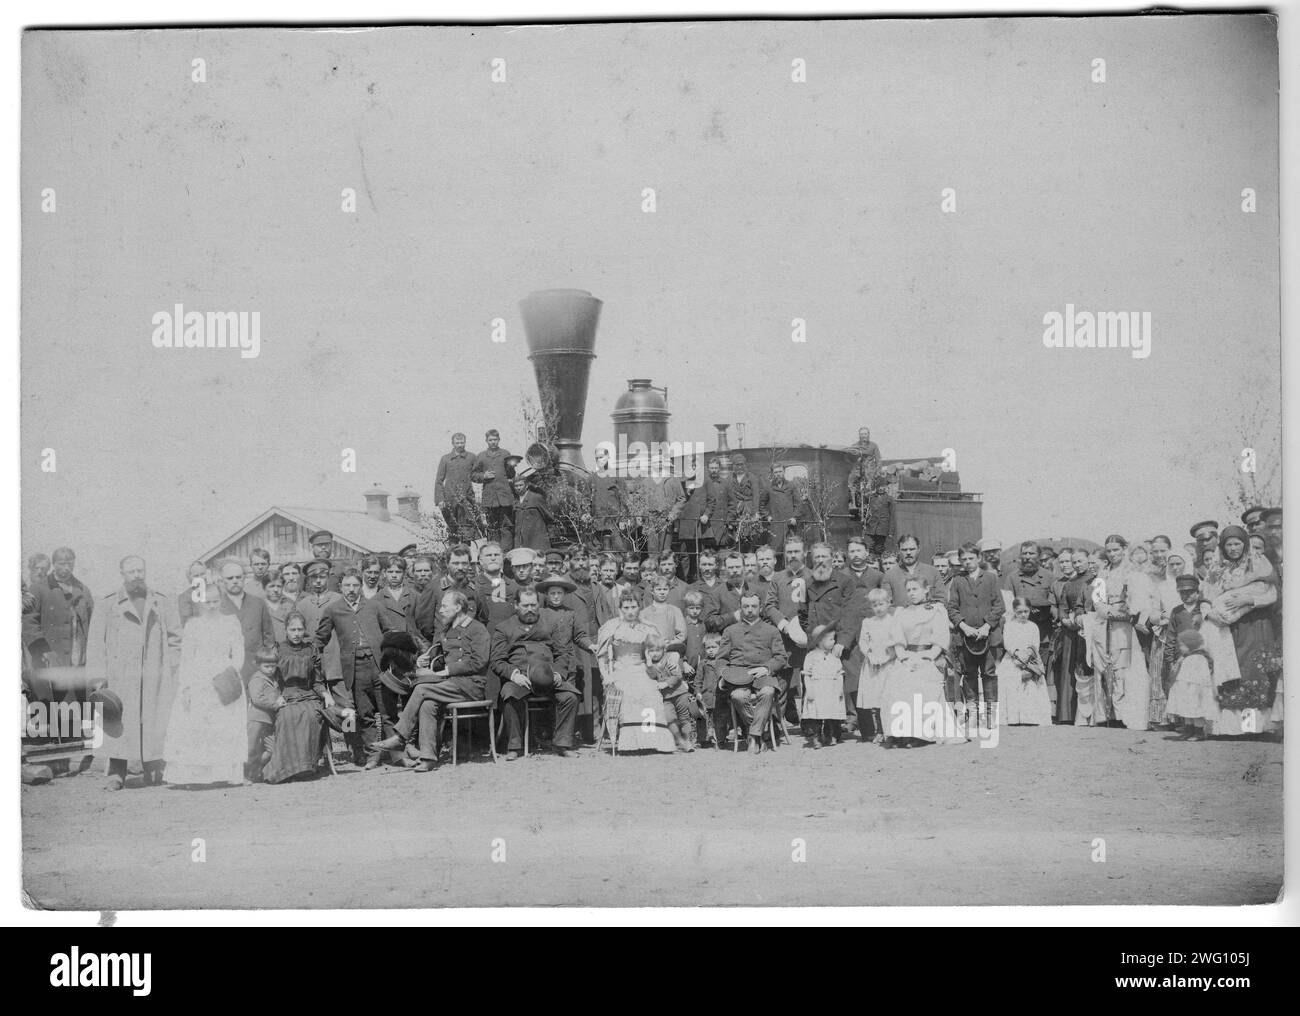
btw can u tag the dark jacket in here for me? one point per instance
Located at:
(977, 602)
(354, 628)
(452, 484)
(58, 616)
(255, 623)
(517, 646)
(497, 492)
(399, 614)
(468, 648)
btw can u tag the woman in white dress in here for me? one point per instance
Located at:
(207, 742)
(1122, 598)
(1022, 684)
(634, 706)
(913, 704)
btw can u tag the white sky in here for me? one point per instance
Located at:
(775, 200)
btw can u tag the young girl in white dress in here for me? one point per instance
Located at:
(1191, 697)
(879, 639)
(1022, 685)
(823, 690)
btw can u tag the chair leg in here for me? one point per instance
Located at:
(771, 729)
(492, 741)
(528, 727)
(735, 726)
(455, 735)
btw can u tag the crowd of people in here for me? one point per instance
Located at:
(246, 675)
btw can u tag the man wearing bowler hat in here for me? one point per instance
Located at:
(322, 542)
(493, 471)
(527, 659)
(461, 675)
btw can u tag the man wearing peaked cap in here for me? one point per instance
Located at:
(1205, 532)
(1252, 518)
(322, 542)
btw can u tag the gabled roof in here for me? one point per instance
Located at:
(356, 529)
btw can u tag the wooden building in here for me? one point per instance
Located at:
(284, 531)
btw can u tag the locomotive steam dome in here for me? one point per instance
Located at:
(560, 329)
(641, 414)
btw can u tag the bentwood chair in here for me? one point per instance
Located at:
(468, 711)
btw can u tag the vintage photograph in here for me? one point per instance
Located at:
(827, 463)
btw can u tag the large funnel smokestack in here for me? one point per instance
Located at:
(560, 328)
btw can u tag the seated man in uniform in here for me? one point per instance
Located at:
(463, 678)
(529, 658)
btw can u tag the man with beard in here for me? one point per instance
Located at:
(251, 611)
(753, 655)
(498, 496)
(457, 579)
(608, 503)
(353, 619)
(630, 576)
(1033, 583)
(1071, 601)
(133, 646)
(975, 610)
(463, 678)
(62, 612)
(606, 591)
(746, 503)
(710, 586)
(864, 577)
(665, 501)
(525, 659)
(779, 609)
(867, 468)
(452, 494)
(786, 507)
(909, 566)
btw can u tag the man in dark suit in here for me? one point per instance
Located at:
(494, 592)
(525, 647)
(353, 619)
(786, 507)
(490, 469)
(254, 617)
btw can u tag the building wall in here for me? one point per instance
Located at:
(285, 540)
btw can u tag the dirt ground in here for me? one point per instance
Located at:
(1182, 823)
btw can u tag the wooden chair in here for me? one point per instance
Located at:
(484, 709)
(534, 704)
(737, 726)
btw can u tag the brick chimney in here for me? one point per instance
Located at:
(377, 503)
(408, 505)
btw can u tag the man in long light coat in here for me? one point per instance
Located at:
(133, 646)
